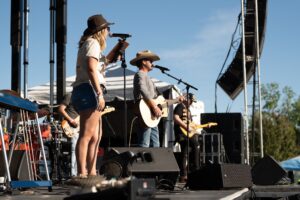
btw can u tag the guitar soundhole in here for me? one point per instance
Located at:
(160, 107)
(74, 126)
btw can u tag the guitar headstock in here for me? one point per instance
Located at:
(181, 99)
(210, 124)
(109, 109)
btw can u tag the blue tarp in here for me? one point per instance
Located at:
(292, 164)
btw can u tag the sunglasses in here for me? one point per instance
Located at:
(108, 29)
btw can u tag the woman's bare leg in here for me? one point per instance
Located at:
(93, 150)
(89, 125)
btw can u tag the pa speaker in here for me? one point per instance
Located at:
(232, 80)
(158, 163)
(267, 171)
(217, 176)
(230, 125)
(18, 167)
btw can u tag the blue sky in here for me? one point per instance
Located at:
(192, 38)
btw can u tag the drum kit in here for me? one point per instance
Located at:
(59, 150)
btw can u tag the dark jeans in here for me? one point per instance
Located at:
(194, 155)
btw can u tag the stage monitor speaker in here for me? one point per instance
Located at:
(230, 125)
(267, 171)
(158, 163)
(217, 176)
(18, 167)
(135, 189)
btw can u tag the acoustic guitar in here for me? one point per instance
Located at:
(147, 115)
(70, 131)
(193, 128)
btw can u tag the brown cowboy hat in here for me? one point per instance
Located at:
(96, 23)
(146, 54)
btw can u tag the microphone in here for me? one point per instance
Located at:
(120, 35)
(160, 67)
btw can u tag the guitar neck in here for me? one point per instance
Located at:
(209, 124)
(171, 101)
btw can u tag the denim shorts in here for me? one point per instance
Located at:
(84, 97)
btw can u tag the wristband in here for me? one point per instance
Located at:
(100, 96)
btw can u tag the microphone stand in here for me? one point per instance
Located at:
(187, 86)
(124, 66)
(119, 50)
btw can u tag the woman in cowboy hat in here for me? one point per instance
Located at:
(87, 95)
(143, 87)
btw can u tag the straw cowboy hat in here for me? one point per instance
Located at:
(96, 23)
(146, 54)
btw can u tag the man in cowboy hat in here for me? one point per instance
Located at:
(143, 87)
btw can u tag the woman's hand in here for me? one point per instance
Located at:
(101, 103)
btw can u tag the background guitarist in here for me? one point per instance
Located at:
(180, 120)
(67, 110)
(143, 87)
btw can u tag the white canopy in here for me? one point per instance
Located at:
(115, 91)
(114, 85)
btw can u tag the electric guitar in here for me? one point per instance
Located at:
(70, 131)
(193, 128)
(149, 119)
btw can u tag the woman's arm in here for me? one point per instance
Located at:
(93, 75)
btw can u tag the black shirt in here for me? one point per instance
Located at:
(70, 110)
(181, 111)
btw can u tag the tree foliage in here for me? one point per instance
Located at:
(281, 118)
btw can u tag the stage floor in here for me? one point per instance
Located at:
(60, 193)
(180, 192)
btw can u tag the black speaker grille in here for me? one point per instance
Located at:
(217, 176)
(159, 163)
(267, 171)
(230, 125)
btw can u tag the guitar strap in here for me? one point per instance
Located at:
(104, 90)
(157, 92)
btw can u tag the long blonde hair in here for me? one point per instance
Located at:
(99, 36)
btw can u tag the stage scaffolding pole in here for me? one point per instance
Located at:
(26, 62)
(52, 29)
(246, 134)
(258, 74)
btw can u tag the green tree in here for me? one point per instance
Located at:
(279, 136)
(281, 114)
(270, 95)
(295, 115)
(287, 104)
